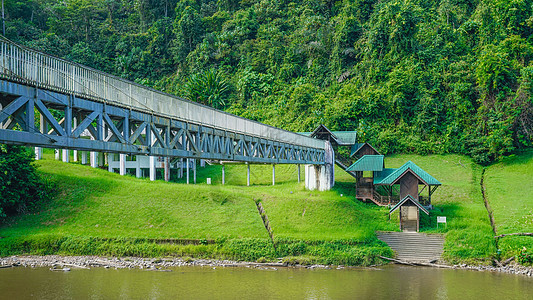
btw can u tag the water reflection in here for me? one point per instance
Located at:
(389, 282)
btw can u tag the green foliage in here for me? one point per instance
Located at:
(208, 88)
(525, 256)
(422, 76)
(21, 189)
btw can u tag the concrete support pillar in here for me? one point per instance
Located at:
(138, 172)
(223, 174)
(187, 166)
(180, 170)
(83, 157)
(321, 177)
(101, 159)
(299, 178)
(122, 164)
(94, 159)
(42, 127)
(66, 155)
(38, 153)
(110, 160)
(248, 174)
(150, 138)
(152, 168)
(273, 174)
(57, 154)
(194, 171)
(167, 168)
(75, 152)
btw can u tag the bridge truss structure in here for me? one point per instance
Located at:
(53, 103)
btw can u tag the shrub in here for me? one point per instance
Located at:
(21, 189)
(525, 256)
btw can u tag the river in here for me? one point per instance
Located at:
(388, 282)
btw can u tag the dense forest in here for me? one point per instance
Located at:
(416, 76)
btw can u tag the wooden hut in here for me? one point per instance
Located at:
(409, 213)
(398, 187)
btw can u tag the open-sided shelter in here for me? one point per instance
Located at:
(409, 213)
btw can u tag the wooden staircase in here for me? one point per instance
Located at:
(414, 246)
(344, 164)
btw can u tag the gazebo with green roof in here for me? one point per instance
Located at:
(387, 186)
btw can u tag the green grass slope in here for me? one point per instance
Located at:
(97, 212)
(509, 188)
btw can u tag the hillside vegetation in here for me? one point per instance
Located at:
(412, 76)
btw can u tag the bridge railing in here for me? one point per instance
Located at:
(21, 64)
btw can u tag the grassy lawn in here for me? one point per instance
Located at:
(510, 194)
(468, 232)
(93, 203)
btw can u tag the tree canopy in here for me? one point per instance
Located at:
(409, 75)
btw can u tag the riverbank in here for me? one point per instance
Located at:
(157, 264)
(67, 263)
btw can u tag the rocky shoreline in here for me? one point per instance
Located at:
(66, 263)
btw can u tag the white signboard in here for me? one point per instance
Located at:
(441, 219)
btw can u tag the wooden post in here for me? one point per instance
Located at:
(223, 174)
(248, 174)
(57, 154)
(299, 178)
(273, 174)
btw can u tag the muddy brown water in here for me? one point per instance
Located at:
(389, 282)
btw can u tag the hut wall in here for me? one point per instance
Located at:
(409, 186)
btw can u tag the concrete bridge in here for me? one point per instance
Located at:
(49, 102)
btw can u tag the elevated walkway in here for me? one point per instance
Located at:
(414, 246)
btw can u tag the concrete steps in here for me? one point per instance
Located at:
(414, 246)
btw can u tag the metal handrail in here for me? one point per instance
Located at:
(28, 66)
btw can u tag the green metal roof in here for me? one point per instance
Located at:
(423, 175)
(368, 163)
(346, 137)
(408, 198)
(342, 138)
(379, 176)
